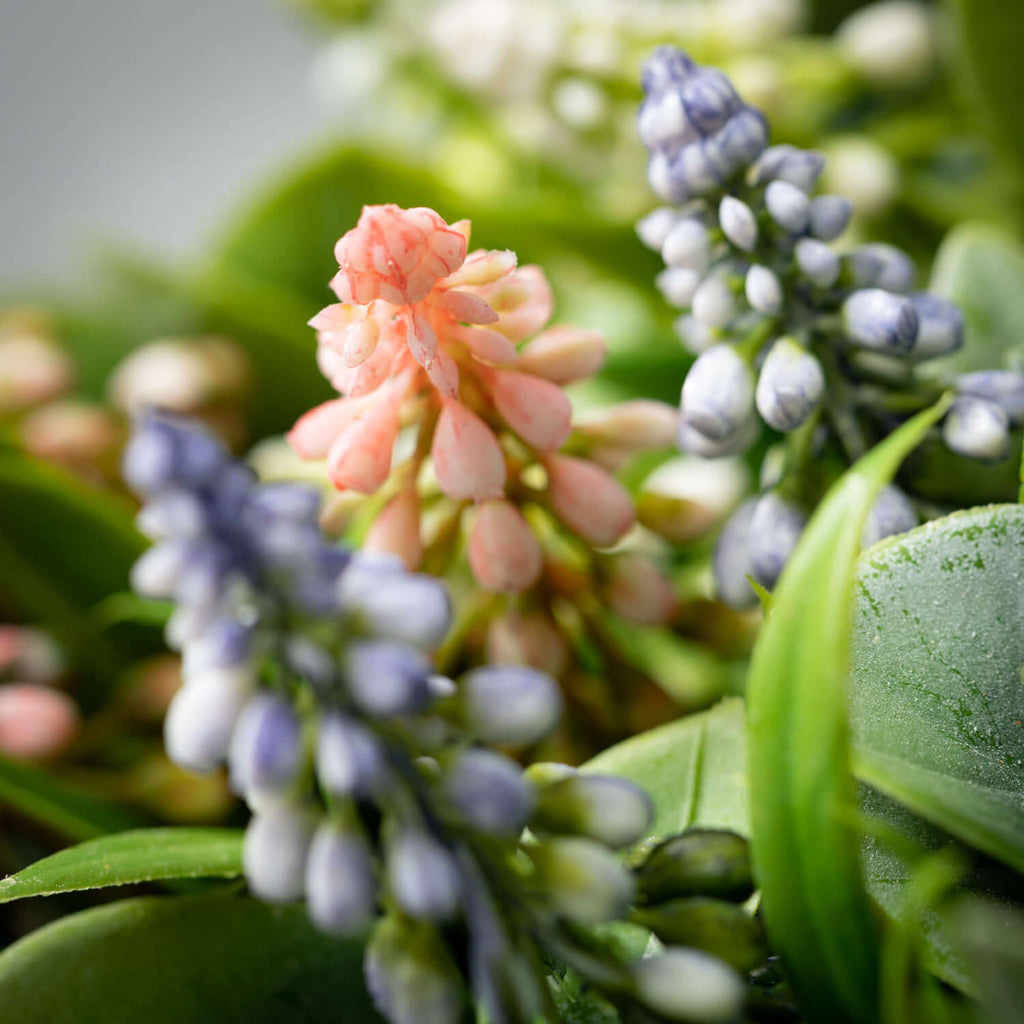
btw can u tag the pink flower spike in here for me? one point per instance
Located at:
(588, 500)
(467, 458)
(315, 432)
(524, 301)
(396, 531)
(36, 721)
(564, 354)
(360, 460)
(503, 552)
(359, 341)
(396, 255)
(487, 346)
(469, 308)
(483, 267)
(537, 410)
(444, 375)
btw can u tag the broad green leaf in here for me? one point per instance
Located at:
(72, 811)
(146, 855)
(937, 697)
(210, 959)
(816, 909)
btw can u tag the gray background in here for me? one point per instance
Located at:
(140, 120)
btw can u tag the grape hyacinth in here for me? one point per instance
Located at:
(822, 346)
(375, 795)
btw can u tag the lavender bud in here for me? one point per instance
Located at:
(225, 644)
(877, 265)
(159, 569)
(977, 429)
(407, 608)
(583, 880)
(738, 223)
(718, 394)
(687, 245)
(677, 286)
(741, 139)
(341, 891)
(694, 336)
(295, 502)
(940, 326)
(423, 876)
(713, 302)
(688, 985)
(662, 123)
(731, 561)
(709, 100)
(266, 745)
(664, 182)
(1004, 388)
(775, 529)
(697, 168)
(829, 216)
(695, 443)
(150, 457)
(202, 716)
(605, 808)
(818, 262)
(172, 514)
(654, 229)
(387, 679)
(667, 67)
(350, 760)
(763, 290)
(275, 851)
(880, 320)
(799, 167)
(788, 206)
(489, 791)
(510, 703)
(790, 386)
(891, 513)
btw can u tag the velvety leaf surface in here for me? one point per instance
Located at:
(144, 855)
(210, 959)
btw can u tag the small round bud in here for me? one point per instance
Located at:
(275, 850)
(880, 320)
(763, 290)
(799, 167)
(697, 862)
(266, 745)
(829, 216)
(738, 223)
(718, 394)
(605, 808)
(891, 513)
(819, 264)
(387, 679)
(408, 608)
(350, 760)
(694, 336)
(1004, 388)
(510, 703)
(341, 891)
(589, 500)
(714, 303)
(653, 229)
(731, 561)
(790, 386)
(423, 876)
(865, 172)
(688, 985)
(878, 265)
(490, 793)
(940, 326)
(583, 880)
(36, 721)
(695, 443)
(709, 100)
(775, 529)
(678, 286)
(504, 553)
(687, 246)
(202, 717)
(788, 206)
(892, 43)
(977, 429)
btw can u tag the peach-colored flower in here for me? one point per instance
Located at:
(589, 500)
(396, 531)
(503, 552)
(467, 457)
(35, 721)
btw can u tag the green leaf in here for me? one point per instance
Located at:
(146, 855)
(210, 959)
(72, 811)
(816, 910)
(937, 698)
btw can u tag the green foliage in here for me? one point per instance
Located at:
(145, 855)
(210, 959)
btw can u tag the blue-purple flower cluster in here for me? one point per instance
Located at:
(377, 796)
(819, 345)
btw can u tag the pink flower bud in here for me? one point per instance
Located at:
(564, 354)
(422, 339)
(537, 410)
(360, 459)
(523, 301)
(359, 341)
(487, 346)
(637, 590)
(641, 424)
(35, 721)
(315, 432)
(589, 501)
(32, 370)
(396, 531)
(333, 321)
(503, 552)
(483, 267)
(531, 639)
(444, 375)
(396, 255)
(467, 457)
(468, 308)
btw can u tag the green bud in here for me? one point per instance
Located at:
(698, 862)
(612, 810)
(583, 880)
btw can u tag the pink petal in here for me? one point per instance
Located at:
(503, 552)
(360, 460)
(483, 267)
(486, 345)
(564, 354)
(334, 318)
(588, 500)
(524, 301)
(315, 432)
(444, 375)
(467, 458)
(421, 337)
(396, 531)
(468, 308)
(537, 410)
(359, 342)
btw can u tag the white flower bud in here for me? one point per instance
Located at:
(1004, 388)
(738, 223)
(788, 206)
(718, 394)
(818, 262)
(511, 703)
(878, 265)
(891, 513)
(940, 327)
(713, 302)
(341, 891)
(799, 167)
(677, 286)
(664, 184)
(829, 216)
(977, 429)
(688, 985)
(880, 320)
(892, 44)
(775, 529)
(863, 171)
(790, 386)
(731, 561)
(763, 290)
(653, 229)
(583, 880)
(423, 876)
(695, 336)
(686, 245)
(275, 850)
(202, 716)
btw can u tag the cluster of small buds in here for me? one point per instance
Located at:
(820, 345)
(378, 796)
(453, 414)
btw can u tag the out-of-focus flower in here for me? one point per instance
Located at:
(36, 721)
(892, 43)
(33, 367)
(84, 438)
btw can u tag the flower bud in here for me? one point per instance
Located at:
(654, 229)
(637, 590)
(275, 850)
(687, 246)
(527, 639)
(640, 424)
(605, 808)
(588, 500)
(503, 552)
(36, 721)
(1004, 388)
(708, 99)
(409, 608)
(467, 457)
(33, 369)
(880, 320)
(423, 876)
(775, 529)
(790, 386)
(940, 326)
(697, 862)
(713, 302)
(489, 792)
(763, 290)
(266, 745)
(510, 703)
(386, 679)
(977, 429)
(878, 265)
(536, 409)
(225, 644)
(583, 880)
(788, 206)
(892, 43)
(563, 354)
(738, 223)
(891, 513)
(695, 443)
(688, 985)
(799, 167)
(731, 561)
(350, 760)
(829, 216)
(678, 285)
(694, 336)
(341, 891)
(662, 122)
(718, 394)
(819, 264)
(396, 530)
(202, 717)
